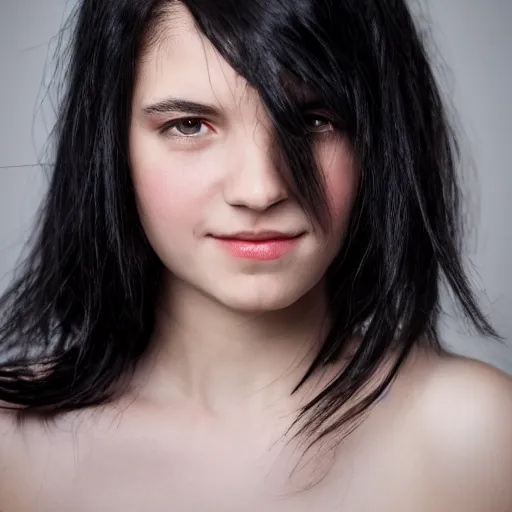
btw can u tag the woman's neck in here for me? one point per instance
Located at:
(225, 361)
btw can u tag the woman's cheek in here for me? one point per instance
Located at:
(342, 177)
(168, 201)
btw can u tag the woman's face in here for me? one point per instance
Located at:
(205, 172)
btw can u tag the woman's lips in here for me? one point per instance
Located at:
(262, 250)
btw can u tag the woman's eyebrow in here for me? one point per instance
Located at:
(172, 105)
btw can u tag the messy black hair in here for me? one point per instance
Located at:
(80, 313)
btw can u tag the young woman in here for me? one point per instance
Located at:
(231, 304)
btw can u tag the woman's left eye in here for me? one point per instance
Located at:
(318, 124)
(188, 127)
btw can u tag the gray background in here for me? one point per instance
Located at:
(473, 60)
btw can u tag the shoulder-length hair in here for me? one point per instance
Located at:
(80, 314)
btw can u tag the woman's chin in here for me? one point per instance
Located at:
(249, 304)
(264, 300)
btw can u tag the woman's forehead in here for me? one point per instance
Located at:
(184, 62)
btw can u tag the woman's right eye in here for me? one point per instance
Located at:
(187, 127)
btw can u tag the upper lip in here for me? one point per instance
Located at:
(259, 235)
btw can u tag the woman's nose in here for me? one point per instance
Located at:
(255, 180)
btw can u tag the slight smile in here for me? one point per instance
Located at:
(262, 246)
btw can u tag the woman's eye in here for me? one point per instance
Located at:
(318, 124)
(190, 127)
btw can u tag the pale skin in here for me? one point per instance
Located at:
(200, 428)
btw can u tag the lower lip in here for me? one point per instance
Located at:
(262, 250)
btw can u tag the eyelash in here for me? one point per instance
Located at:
(167, 127)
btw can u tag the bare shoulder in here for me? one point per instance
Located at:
(10, 457)
(464, 414)
(38, 456)
(466, 389)
(8, 431)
